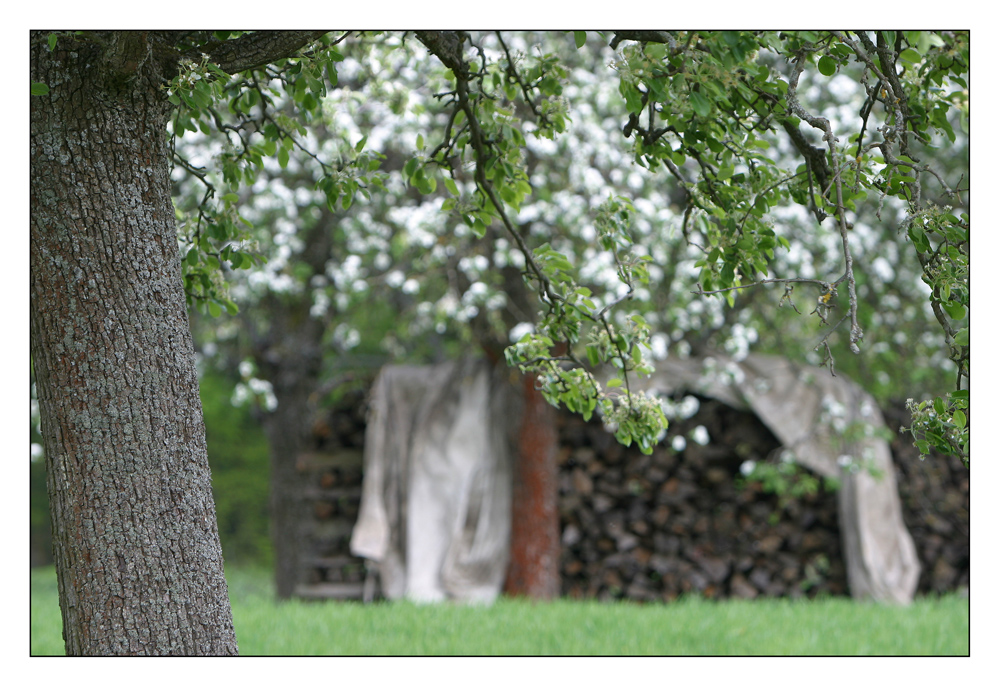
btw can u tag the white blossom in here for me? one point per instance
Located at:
(699, 435)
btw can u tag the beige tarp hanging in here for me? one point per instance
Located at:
(820, 419)
(435, 507)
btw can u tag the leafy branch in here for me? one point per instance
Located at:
(254, 129)
(567, 305)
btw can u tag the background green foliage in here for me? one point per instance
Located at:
(239, 458)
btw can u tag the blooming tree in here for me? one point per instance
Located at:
(760, 134)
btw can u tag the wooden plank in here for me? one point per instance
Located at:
(332, 494)
(334, 561)
(332, 529)
(315, 461)
(330, 590)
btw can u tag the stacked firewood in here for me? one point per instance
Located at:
(676, 522)
(935, 497)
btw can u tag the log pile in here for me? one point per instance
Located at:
(935, 497)
(655, 527)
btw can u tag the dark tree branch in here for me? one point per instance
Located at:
(254, 50)
(447, 47)
(642, 36)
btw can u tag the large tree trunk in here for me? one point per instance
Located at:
(135, 540)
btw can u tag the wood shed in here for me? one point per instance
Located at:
(684, 520)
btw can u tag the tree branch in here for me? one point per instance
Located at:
(253, 50)
(642, 36)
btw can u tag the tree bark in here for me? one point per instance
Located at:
(135, 540)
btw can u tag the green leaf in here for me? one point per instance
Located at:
(932, 39)
(614, 382)
(283, 157)
(361, 144)
(53, 37)
(410, 167)
(636, 355)
(919, 239)
(299, 90)
(957, 311)
(213, 309)
(202, 94)
(910, 55)
(580, 37)
(827, 66)
(633, 98)
(959, 419)
(732, 39)
(702, 106)
(424, 184)
(39, 88)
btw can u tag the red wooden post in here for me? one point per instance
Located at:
(534, 537)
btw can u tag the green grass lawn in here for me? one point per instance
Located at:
(517, 627)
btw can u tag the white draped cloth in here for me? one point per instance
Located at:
(435, 506)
